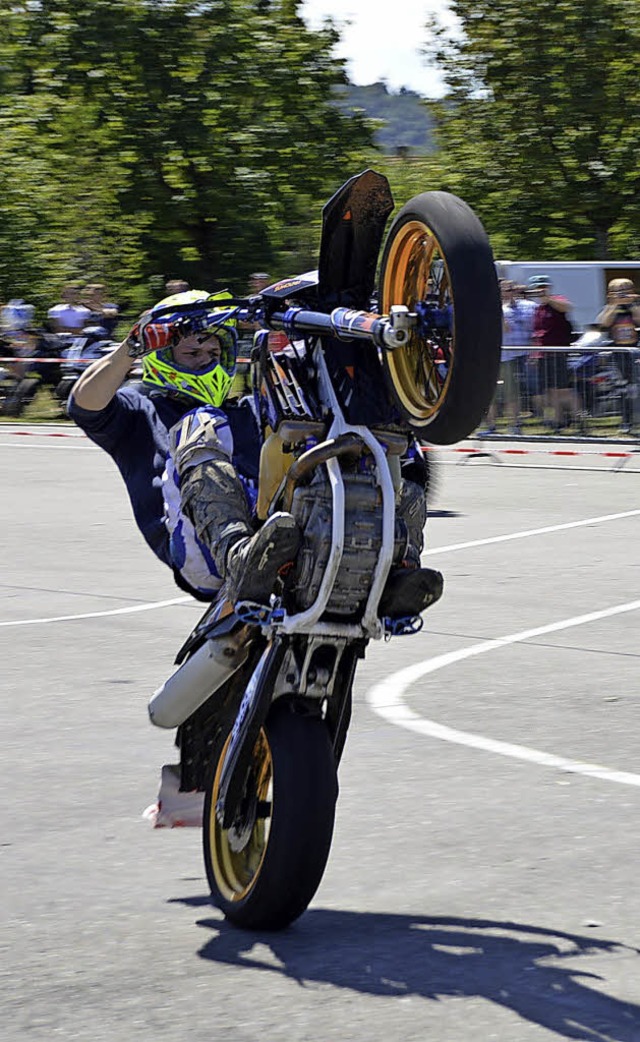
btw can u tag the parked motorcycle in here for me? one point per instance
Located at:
(80, 349)
(262, 694)
(606, 375)
(34, 362)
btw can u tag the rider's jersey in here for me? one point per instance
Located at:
(134, 430)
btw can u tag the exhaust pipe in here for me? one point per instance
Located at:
(198, 678)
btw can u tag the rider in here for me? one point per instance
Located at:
(190, 461)
(191, 466)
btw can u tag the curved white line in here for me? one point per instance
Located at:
(102, 614)
(387, 699)
(530, 532)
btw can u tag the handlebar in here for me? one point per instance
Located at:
(386, 331)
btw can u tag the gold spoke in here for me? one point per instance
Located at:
(415, 270)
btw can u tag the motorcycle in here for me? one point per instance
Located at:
(78, 350)
(606, 375)
(31, 363)
(261, 698)
(53, 361)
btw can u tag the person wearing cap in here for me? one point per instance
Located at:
(258, 281)
(552, 328)
(173, 286)
(620, 319)
(517, 328)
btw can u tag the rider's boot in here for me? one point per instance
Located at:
(410, 589)
(254, 562)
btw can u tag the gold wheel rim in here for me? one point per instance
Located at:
(414, 258)
(236, 868)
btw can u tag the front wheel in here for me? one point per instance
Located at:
(438, 262)
(265, 869)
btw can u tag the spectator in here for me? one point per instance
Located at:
(16, 316)
(552, 328)
(69, 316)
(620, 318)
(103, 313)
(16, 328)
(517, 330)
(258, 281)
(174, 286)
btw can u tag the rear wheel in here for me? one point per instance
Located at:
(437, 261)
(265, 869)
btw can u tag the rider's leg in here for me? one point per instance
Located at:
(214, 500)
(411, 589)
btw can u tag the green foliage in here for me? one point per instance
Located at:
(541, 124)
(173, 138)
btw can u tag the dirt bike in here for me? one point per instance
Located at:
(262, 695)
(26, 369)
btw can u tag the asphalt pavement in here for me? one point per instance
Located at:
(482, 882)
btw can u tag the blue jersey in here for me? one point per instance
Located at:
(134, 430)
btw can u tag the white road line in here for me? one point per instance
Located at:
(387, 699)
(530, 532)
(39, 445)
(102, 614)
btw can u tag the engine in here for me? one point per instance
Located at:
(312, 507)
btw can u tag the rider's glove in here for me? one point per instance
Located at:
(150, 336)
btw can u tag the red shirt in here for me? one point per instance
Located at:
(551, 328)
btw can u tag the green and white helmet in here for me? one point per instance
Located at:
(212, 384)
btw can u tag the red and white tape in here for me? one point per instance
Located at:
(547, 452)
(5, 429)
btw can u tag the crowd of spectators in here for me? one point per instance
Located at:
(546, 384)
(78, 308)
(540, 383)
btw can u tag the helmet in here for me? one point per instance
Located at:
(159, 368)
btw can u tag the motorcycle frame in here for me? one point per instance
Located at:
(308, 621)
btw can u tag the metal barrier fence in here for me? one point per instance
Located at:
(542, 392)
(546, 392)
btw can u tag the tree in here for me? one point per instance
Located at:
(187, 137)
(540, 127)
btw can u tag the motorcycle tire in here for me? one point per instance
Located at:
(443, 384)
(264, 871)
(63, 390)
(13, 403)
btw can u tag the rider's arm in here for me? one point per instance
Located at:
(100, 381)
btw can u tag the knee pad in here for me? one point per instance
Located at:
(200, 436)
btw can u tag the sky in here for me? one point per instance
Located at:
(383, 40)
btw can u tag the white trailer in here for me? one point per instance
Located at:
(584, 283)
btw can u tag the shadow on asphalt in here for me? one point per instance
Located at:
(512, 964)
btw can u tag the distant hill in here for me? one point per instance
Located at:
(406, 120)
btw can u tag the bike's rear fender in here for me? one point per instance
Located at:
(353, 223)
